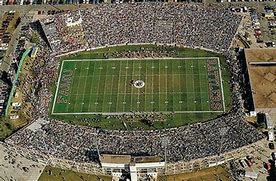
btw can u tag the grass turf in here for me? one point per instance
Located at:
(103, 86)
(172, 120)
(57, 174)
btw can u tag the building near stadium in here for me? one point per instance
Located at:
(117, 165)
(261, 64)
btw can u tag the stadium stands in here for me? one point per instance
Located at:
(111, 24)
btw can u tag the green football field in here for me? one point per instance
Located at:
(180, 85)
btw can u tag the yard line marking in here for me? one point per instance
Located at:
(74, 107)
(84, 88)
(139, 89)
(104, 89)
(124, 102)
(98, 89)
(152, 107)
(117, 102)
(71, 88)
(159, 89)
(179, 81)
(91, 88)
(186, 87)
(193, 82)
(131, 87)
(167, 86)
(146, 77)
(110, 98)
(206, 80)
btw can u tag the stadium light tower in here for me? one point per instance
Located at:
(165, 142)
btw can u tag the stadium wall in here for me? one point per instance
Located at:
(171, 168)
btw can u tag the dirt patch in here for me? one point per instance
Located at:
(209, 174)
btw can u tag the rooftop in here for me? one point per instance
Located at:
(261, 65)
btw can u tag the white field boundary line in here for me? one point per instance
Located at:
(127, 59)
(147, 58)
(131, 113)
(57, 88)
(221, 85)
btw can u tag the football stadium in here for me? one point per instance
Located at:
(143, 89)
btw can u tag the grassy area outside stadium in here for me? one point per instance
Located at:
(94, 84)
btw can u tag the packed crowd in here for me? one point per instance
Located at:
(62, 35)
(143, 53)
(73, 142)
(111, 24)
(174, 23)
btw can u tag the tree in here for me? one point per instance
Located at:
(34, 38)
